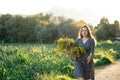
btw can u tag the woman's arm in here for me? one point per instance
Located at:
(92, 45)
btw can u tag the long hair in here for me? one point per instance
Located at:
(89, 33)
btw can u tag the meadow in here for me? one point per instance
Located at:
(27, 61)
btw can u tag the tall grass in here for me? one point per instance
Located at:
(40, 62)
(106, 52)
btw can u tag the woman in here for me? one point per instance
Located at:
(84, 66)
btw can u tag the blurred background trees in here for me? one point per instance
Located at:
(45, 28)
(106, 30)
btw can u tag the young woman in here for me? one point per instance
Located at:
(84, 66)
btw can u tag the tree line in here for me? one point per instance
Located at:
(45, 28)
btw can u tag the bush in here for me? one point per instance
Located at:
(103, 61)
(37, 61)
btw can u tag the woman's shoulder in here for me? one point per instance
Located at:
(78, 39)
(92, 40)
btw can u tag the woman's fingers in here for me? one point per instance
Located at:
(88, 59)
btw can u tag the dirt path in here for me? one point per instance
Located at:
(111, 72)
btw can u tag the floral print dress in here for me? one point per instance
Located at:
(81, 68)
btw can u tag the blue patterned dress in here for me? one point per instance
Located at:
(81, 68)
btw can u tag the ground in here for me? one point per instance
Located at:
(110, 72)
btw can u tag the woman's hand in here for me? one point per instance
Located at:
(89, 59)
(68, 51)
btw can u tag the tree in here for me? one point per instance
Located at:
(3, 27)
(79, 23)
(47, 33)
(104, 21)
(117, 26)
(105, 30)
(67, 28)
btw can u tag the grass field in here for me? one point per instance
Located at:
(41, 62)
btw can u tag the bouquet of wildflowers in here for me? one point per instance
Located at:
(71, 48)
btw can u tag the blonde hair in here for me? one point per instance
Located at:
(89, 33)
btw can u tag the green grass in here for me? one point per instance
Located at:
(106, 53)
(41, 62)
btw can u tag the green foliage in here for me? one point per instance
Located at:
(17, 29)
(67, 28)
(23, 62)
(106, 52)
(106, 31)
(63, 77)
(50, 33)
(103, 61)
(2, 72)
(40, 27)
(46, 28)
(40, 62)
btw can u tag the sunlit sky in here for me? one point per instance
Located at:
(90, 11)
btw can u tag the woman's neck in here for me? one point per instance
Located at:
(85, 37)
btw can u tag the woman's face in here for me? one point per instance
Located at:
(84, 32)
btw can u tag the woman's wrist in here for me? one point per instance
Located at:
(90, 55)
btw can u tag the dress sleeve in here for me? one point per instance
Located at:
(92, 46)
(77, 41)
